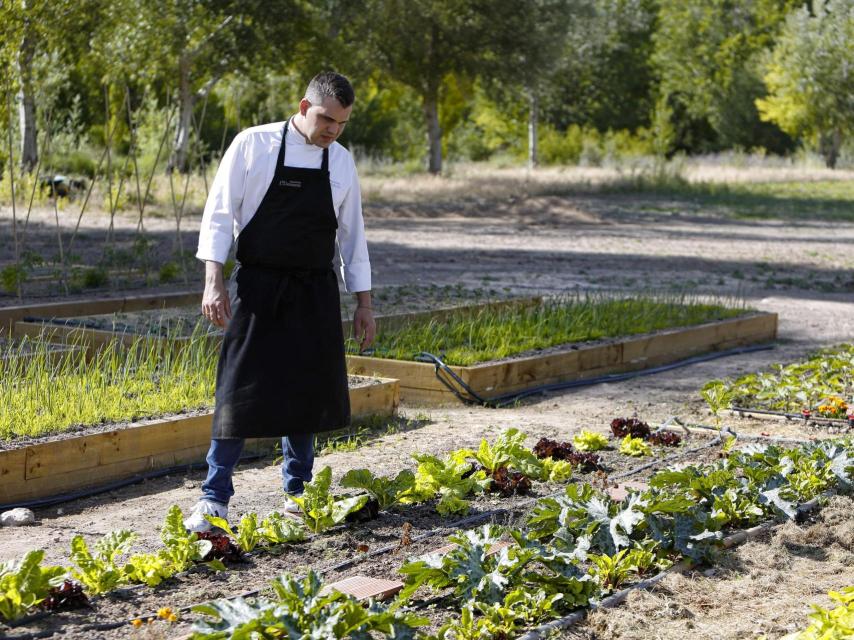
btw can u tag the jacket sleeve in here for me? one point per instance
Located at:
(352, 244)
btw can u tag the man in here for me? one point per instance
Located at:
(285, 190)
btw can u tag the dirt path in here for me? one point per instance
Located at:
(802, 271)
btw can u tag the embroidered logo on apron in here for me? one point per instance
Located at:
(294, 184)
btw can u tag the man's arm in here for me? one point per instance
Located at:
(216, 306)
(216, 233)
(364, 326)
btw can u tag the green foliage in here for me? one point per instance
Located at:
(41, 394)
(248, 533)
(808, 75)
(26, 583)
(301, 609)
(183, 548)
(635, 447)
(387, 491)
(589, 441)
(97, 570)
(707, 57)
(278, 529)
(321, 510)
(611, 571)
(465, 338)
(830, 624)
(718, 397)
(509, 450)
(556, 470)
(475, 574)
(445, 477)
(795, 387)
(148, 568)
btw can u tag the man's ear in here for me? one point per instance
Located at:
(304, 104)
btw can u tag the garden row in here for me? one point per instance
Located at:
(575, 546)
(820, 388)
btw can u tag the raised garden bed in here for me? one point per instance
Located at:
(178, 323)
(66, 462)
(711, 329)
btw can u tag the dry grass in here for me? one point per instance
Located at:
(763, 588)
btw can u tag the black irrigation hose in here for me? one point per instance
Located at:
(448, 377)
(346, 564)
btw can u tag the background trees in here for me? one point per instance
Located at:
(470, 79)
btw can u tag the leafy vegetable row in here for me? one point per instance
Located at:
(823, 384)
(830, 624)
(578, 547)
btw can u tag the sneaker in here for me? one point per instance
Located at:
(291, 507)
(196, 522)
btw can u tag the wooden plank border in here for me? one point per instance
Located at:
(96, 306)
(94, 339)
(419, 384)
(60, 466)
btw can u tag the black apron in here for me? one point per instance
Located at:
(282, 369)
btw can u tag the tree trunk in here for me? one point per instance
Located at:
(533, 108)
(27, 106)
(829, 145)
(186, 101)
(434, 132)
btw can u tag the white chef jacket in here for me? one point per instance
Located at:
(243, 177)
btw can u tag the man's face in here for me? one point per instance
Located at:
(324, 122)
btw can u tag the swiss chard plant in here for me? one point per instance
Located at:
(98, 569)
(182, 549)
(321, 510)
(26, 583)
(508, 451)
(635, 447)
(387, 491)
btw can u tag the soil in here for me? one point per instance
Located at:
(522, 245)
(761, 589)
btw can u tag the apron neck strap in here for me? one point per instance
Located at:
(280, 161)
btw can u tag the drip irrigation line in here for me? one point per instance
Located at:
(806, 416)
(346, 564)
(731, 541)
(449, 378)
(691, 427)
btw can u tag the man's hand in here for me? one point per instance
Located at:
(216, 306)
(364, 326)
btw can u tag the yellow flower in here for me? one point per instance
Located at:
(172, 617)
(164, 613)
(137, 623)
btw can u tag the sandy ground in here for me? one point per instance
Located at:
(804, 271)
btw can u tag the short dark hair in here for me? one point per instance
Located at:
(332, 84)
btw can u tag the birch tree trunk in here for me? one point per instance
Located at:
(434, 131)
(27, 106)
(186, 102)
(533, 109)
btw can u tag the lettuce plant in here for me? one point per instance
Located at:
(387, 491)
(321, 510)
(452, 479)
(26, 583)
(635, 447)
(589, 441)
(182, 548)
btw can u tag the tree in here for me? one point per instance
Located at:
(707, 55)
(810, 76)
(421, 43)
(189, 45)
(35, 34)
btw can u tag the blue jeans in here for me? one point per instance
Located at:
(298, 452)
